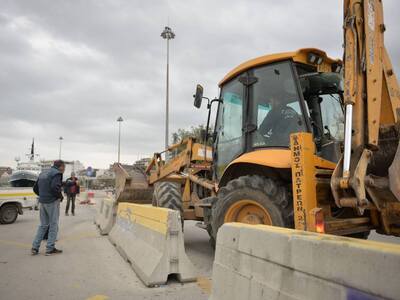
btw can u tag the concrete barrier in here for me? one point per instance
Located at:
(106, 215)
(151, 240)
(264, 262)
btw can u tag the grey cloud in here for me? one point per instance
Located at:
(71, 68)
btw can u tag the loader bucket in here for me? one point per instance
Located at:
(132, 186)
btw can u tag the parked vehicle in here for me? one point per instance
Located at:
(13, 201)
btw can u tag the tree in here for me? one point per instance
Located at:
(195, 131)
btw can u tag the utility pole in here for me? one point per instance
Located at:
(167, 34)
(119, 120)
(59, 154)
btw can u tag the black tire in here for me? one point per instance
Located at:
(8, 213)
(168, 194)
(267, 192)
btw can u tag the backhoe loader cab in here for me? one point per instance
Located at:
(262, 102)
(268, 98)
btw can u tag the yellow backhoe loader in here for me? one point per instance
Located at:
(301, 140)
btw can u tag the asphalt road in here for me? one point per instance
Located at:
(90, 267)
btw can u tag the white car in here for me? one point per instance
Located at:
(13, 201)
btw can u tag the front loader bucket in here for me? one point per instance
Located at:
(131, 186)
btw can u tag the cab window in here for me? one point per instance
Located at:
(229, 142)
(276, 107)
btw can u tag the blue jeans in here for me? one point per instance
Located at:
(49, 215)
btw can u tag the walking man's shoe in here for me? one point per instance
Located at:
(34, 251)
(73, 214)
(53, 251)
(66, 214)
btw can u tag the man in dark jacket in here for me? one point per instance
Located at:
(48, 188)
(71, 188)
(279, 123)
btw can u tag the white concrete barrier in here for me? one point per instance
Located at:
(151, 240)
(106, 215)
(264, 262)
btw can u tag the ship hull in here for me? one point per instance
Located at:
(23, 179)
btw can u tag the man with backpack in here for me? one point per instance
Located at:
(71, 189)
(48, 188)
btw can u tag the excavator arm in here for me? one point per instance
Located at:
(367, 177)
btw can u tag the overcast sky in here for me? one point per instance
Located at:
(71, 68)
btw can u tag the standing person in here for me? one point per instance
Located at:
(72, 189)
(280, 121)
(48, 188)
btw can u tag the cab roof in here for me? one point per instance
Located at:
(300, 56)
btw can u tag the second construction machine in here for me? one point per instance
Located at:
(301, 140)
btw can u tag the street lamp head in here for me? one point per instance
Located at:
(119, 119)
(60, 138)
(167, 33)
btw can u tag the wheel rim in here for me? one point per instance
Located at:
(9, 214)
(249, 212)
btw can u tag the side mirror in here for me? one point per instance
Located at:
(198, 97)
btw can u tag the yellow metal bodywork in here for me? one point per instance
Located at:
(303, 178)
(304, 165)
(370, 84)
(371, 90)
(276, 158)
(198, 153)
(154, 218)
(312, 195)
(297, 56)
(188, 154)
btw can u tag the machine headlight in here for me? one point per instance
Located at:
(314, 59)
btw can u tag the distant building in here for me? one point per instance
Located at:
(3, 170)
(127, 167)
(5, 176)
(104, 173)
(70, 166)
(141, 163)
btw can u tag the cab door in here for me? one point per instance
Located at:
(229, 141)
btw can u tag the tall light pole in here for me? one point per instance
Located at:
(119, 120)
(59, 153)
(167, 34)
